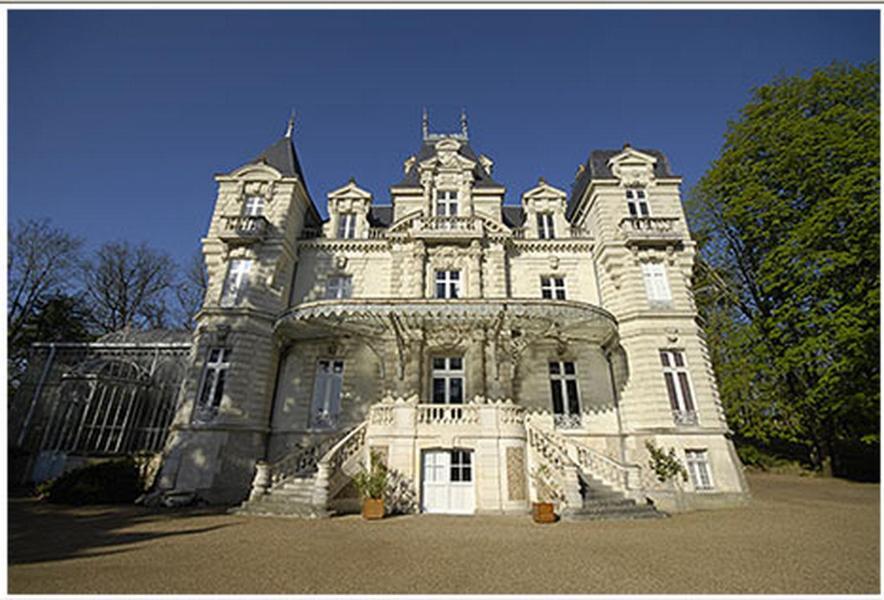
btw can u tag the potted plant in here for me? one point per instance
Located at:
(371, 485)
(548, 494)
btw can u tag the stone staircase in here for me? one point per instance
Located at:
(601, 501)
(293, 498)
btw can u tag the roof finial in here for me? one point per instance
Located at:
(425, 123)
(463, 123)
(291, 125)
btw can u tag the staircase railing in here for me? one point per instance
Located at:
(563, 471)
(339, 464)
(623, 477)
(301, 461)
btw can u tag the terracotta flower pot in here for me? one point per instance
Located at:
(373, 508)
(544, 512)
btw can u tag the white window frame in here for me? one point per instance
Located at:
(447, 373)
(679, 388)
(450, 282)
(697, 461)
(552, 287)
(236, 283)
(211, 391)
(546, 229)
(328, 386)
(446, 203)
(656, 283)
(637, 202)
(339, 287)
(253, 206)
(559, 377)
(347, 225)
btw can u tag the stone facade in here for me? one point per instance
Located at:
(474, 342)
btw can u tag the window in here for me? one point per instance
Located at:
(338, 286)
(237, 282)
(254, 206)
(446, 203)
(565, 398)
(212, 387)
(545, 228)
(347, 225)
(656, 283)
(552, 288)
(448, 284)
(461, 465)
(637, 201)
(698, 467)
(448, 380)
(678, 385)
(327, 394)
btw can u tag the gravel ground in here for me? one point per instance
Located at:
(797, 536)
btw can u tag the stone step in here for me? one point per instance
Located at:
(634, 512)
(597, 503)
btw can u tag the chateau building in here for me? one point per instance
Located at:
(475, 347)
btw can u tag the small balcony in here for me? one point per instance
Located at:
(243, 229)
(650, 230)
(684, 417)
(447, 228)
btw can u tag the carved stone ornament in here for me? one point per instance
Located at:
(671, 334)
(340, 262)
(553, 262)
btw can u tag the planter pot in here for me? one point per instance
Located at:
(373, 508)
(544, 512)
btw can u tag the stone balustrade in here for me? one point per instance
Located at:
(243, 229)
(650, 229)
(479, 418)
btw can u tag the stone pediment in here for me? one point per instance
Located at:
(351, 190)
(447, 156)
(544, 190)
(632, 167)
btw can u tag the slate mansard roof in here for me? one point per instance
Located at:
(596, 167)
(481, 178)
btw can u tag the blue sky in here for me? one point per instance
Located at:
(119, 119)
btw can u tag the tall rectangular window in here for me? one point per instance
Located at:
(678, 386)
(254, 206)
(552, 288)
(698, 467)
(448, 375)
(448, 284)
(565, 397)
(656, 283)
(347, 225)
(212, 386)
(637, 202)
(327, 387)
(338, 287)
(545, 227)
(237, 282)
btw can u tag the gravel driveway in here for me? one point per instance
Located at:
(797, 536)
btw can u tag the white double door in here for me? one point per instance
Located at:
(448, 482)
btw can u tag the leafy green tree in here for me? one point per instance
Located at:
(789, 284)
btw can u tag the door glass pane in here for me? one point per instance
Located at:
(456, 390)
(573, 401)
(558, 405)
(438, 390)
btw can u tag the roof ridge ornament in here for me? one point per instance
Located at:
(425, 123)
(462, 135)
(463, 123)
(291, 125)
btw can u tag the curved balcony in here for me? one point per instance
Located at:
(479, 418)
(520, 318)
(243, 229)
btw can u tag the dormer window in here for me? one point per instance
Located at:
(347, 226)
(637, 201)
(545, 228)
(254, 206)
(446, 203)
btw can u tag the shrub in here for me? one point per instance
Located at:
(110, 482)
(372, 483)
